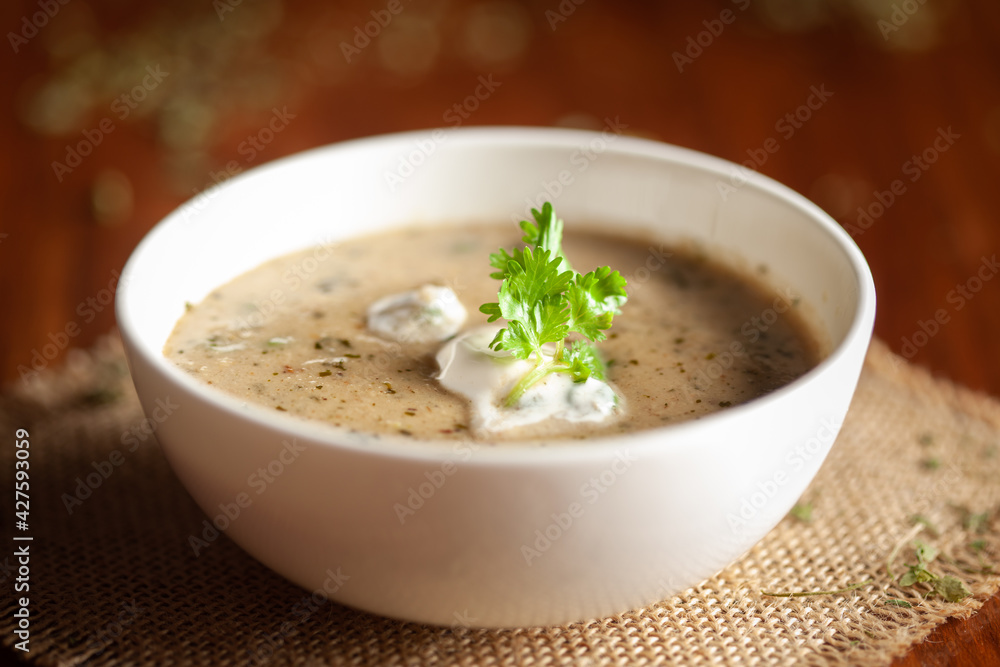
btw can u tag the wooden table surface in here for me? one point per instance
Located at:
(887, 114)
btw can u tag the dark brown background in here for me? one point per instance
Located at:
(898, 73)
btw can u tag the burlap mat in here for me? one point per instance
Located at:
(115, 582)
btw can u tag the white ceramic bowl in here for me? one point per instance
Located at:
(513, 535)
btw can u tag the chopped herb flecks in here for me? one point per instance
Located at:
(896, 602)
(949, 587)
(802, 594)
(802, 511)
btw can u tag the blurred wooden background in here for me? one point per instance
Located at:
(886, 113)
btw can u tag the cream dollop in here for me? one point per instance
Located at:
(424, 315)
(470, 368)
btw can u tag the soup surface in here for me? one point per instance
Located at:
(291, 335)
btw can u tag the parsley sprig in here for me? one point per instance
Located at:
(950, 588)
(545, 301)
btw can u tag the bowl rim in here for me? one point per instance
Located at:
(516, 452)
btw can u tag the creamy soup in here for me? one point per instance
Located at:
(291, 335)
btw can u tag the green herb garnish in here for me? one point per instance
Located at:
(918, 573)
(803, 594)
(976, 523)
(802, 511)
(978, 547)
(545, 301)
(896, 602)
(949, 587)
(932, 463)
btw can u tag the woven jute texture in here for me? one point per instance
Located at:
(114, 581)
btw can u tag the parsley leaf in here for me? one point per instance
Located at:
(583, 360)
(802, 511)
(594, 299)
(546, 234)
(545, 301)
(949, 587)
(896, 602)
